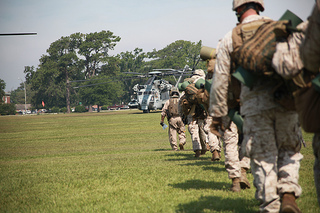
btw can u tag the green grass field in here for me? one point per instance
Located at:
(118, 161)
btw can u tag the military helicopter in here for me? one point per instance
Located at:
(155, 92)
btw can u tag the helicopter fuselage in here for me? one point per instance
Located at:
(152, 96)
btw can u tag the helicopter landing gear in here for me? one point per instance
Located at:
(146, 111)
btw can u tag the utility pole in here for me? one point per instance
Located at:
(25, 96)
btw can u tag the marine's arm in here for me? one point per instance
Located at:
(220, 81)
(164, 112)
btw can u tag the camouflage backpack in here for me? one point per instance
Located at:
(173, 108)
(189, 100)
(254, 52)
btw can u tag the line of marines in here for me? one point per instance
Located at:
(256, 117)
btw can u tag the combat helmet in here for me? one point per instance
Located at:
(238, 3)
(174, 92)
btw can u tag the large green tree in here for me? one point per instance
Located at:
(18, 95)
(2, 88)
(5, 109)
(132, 61)
(50, 80)
(75, 57)
(101, 90)
(94, 47)
(176, 55)
(130, 64)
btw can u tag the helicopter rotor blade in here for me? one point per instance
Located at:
(134, 73)
(14, 34)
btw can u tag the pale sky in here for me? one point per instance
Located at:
(146, 24)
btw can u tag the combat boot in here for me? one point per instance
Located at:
(244, 182)
(288, 204)
(235, 185)
(198, 153)
(203, 152)
(215, 156)
(181, 146)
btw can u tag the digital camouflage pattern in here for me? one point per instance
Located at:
(176, 125)
(286, 60)
(278, 157)
(196, 121)
(198, 135)
(257, 103)
(213, 140)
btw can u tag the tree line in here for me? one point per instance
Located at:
(78, 69)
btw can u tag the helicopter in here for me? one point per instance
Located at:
(155, 92)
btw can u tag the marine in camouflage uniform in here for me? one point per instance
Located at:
(235, 168)
(310, 55)
(196, 122)
(271, 133)
(176, 125)
(212, 139)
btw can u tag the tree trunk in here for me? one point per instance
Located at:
(90, 108)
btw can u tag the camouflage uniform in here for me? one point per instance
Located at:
(198, 135)
(176, 125)
(213, 140)
(310, 54)
(196, 122)
(271, 134)
(218, 109)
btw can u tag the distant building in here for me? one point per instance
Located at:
(20, 107)
(6, 98)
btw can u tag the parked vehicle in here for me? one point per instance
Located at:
(118, 107)
(133, 104)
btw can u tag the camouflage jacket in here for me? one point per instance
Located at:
(253, 100)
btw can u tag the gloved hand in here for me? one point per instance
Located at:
(161, 123)
(216, 125)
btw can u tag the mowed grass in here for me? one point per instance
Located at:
(118, 161)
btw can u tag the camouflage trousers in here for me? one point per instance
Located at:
(213, 140)
(230, 146)
(272, 140)
(316, 167)
(176, 126)
(231, 150)
(198, 135)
